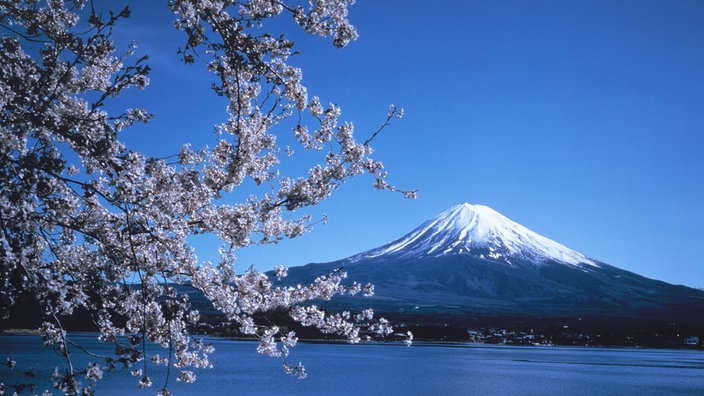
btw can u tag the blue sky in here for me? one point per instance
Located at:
(583, 121)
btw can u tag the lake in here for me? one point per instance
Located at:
(422, 369)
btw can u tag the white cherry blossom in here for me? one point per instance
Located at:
(91, 225)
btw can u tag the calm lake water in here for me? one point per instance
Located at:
(423, 369)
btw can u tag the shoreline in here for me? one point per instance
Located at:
(417, 343)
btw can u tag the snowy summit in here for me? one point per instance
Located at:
(480, 231)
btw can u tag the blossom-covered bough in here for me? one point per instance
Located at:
(90, 224)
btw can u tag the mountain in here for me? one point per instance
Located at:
(478, 231)
(472, 265)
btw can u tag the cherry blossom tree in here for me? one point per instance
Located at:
(89, 224)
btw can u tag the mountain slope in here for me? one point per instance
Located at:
(471, 261)
(480, 231)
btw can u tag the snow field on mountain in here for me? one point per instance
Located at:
(481, 231)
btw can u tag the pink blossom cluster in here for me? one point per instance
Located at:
(92, 225)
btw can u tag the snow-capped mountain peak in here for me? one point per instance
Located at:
(481, 231)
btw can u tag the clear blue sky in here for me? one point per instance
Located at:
(581, 120)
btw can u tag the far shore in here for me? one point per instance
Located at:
(419, 342)
(19, 332)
